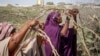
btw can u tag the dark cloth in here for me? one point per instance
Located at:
(68, 44)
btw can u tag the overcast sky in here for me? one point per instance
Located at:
(32, 2)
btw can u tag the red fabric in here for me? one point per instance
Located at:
(44, 41)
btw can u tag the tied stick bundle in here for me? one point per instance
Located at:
(82, 27)
(44, 35)
(25, 43)
(48, 39)
(32, 41)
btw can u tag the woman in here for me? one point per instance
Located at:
(10, 41)
(68, 44)
(58, 34)
(54, 31)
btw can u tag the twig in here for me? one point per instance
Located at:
(83, 42)
(25, 43)
(87, 30)
(82, 38)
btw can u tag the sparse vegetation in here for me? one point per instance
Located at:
(89, 18)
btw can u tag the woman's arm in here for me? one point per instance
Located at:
(70, 14)
(16, 38)
(65, 27)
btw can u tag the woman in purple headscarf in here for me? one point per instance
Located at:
(60, 36)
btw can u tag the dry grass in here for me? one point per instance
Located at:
(89, 17)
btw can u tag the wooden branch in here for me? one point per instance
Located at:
(82, 27)
(83, 42)
(82, 38)
(43, 35)
(25, 43)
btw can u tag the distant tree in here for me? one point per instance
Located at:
(69, 4)
(10, 5)
(61, 3)
(50, 3)
(98, 4)
(17, 4)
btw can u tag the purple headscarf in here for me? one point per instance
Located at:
(52, 29)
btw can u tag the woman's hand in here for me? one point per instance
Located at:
(72, 13)
(69, 14)
(75, 11)
(33, 22)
